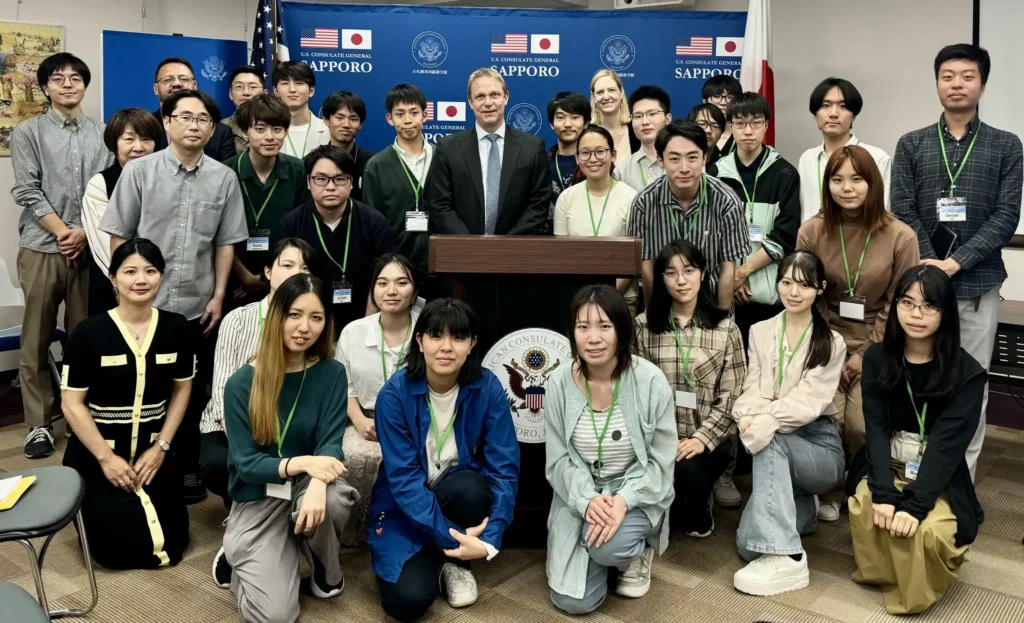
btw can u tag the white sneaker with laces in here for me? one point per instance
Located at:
(636, 580)
(828, 511)
(771, 574)
(459, 584)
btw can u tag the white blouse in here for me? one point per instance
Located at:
(94, 205)
(444, 410)
(359, 351)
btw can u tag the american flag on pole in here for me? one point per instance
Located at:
(509, 44)
(428, 114)
(264, 39)
(695, 46)
(319, 38)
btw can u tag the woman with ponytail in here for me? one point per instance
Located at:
(788, 423)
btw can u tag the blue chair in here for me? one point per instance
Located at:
(18, 606)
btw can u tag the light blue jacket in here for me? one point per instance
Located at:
(649, 408)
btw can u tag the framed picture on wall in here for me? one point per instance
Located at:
(22, 47)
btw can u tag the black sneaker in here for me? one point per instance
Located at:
(221, 570)
(318, 582)
(702, 524)
(39, 442)
(195, 492)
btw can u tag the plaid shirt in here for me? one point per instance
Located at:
(717, 368)
(990, 181)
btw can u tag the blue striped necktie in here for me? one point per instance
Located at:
(493, 185)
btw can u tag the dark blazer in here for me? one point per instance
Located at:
(456, 196)
(220, 147)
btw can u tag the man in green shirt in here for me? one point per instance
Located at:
(272, 185)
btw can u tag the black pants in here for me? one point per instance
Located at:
(750, 314)
(465, 499)
(695, 480)
(213, 464)
(101, 291)
(187, 438)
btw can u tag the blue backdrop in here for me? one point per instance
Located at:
(369, 49)
(130, 60)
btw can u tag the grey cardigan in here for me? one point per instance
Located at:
(649, 408)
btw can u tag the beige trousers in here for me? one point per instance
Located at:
(849, 403)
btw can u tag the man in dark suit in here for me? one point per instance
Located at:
(491, 179)
(175, 74)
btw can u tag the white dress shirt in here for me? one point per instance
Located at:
(812, 171)
(237, 341)
(94, 205)
(639, 171)
(359, 351)
(419, 165)
(485, 150)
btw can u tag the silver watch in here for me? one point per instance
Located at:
(166, 447)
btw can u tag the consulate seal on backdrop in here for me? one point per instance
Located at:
(213, 69)
(618, 52)
(525, 118)
(523, 361)
(429, 49)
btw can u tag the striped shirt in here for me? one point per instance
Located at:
(616, 450)
(717, 368)
(990, 182)
(236, 346)
(717, 223)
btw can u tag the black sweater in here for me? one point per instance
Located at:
(949, 428)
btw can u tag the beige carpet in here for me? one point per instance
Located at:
(691, 583)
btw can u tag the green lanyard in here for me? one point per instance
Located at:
(783, 363)
(256, 215)
(259, 316)
(413, 183)
(284, 433)
(401, 353)
(693, 217)
(852, 283)
(750, 197)
(608, 418)
(685, 358)
(597, 227)
(440, 439)
(558, 171)
(945, 159)
(297, 153)
(921, 415)
(348, 235)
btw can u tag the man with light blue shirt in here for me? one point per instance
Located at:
(649, 108)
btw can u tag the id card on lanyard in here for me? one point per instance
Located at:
(755, 232)
(259, 239)
(913, 467)
(341, 291)
(284, 491)
(686, 398)
(851, 306)
(953, 209)
(416, 220)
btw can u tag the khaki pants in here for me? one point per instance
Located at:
(46, 280)
(913, 573)
(849, 403)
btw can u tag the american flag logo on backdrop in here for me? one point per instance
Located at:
(695, 46)
(428, 114)
(509, 44)
(318, 38)
(534, 398)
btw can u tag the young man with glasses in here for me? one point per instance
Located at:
(295, 83)
(720, 91)
(835, 103)
(712, 120)
(348, 234)
(649, 109)
(191, 207)
(246, 83)
(962, 177)
(54, 156)
(569, 115)
(344, 113)
(175, 74)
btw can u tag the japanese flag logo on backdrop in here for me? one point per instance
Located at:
(728, 46)
(451, 111)
(543, 44)
(356, 39)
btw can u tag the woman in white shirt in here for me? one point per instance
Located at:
(372, 349)
(610, 110)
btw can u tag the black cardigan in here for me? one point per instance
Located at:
(949, 427)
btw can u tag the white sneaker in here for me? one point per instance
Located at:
(828, 511)
(771, 575)
(636, 580)
(459, 584)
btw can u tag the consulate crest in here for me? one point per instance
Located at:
(213, 69)
(618, 52)
(525, 118)
(429, 49)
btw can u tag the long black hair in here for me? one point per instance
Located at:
(937, 289)
(809, 271)
(707, 314)
(611, 302)
(442, 316)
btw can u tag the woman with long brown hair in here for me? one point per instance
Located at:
(285, 417)
(865, 250)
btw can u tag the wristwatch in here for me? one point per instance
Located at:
(166, 447)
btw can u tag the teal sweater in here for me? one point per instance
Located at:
(387, 190)
(316, 429)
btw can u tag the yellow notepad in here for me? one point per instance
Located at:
(9, 495)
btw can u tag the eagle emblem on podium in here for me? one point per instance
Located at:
(526, 381)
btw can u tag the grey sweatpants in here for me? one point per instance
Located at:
(262, 548)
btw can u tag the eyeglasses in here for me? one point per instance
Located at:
(339, 180)
(650, 114)
(689, 272)
(242, 87)
(707, 125)
(724, 98)
(908, 306)
(186, 120)
(756, 124)
(600, 154)
(59, 79)
(169, 80)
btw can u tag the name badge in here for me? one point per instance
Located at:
(259, 240)
(912, 467)
(852, 307)
(281, 492)
(952, 209)
(756, 233)
(342, 292)
(416, 220)
(686, 399)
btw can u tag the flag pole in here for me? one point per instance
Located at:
(273, 12)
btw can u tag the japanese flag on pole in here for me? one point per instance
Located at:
(756, 66)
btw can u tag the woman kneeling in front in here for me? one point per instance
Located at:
(447, 484)
(788, 422)
(611, 447)
(285, 417)
(913, 509)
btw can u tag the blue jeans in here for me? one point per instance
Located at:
(786, 475)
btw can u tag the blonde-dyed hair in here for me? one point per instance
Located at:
(484, 72)
(595, 112)
(269, 363)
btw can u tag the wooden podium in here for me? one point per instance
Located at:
(527, 282)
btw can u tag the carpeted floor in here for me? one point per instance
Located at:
(691, 583)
